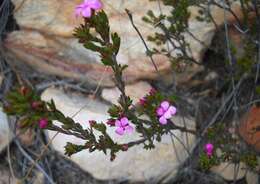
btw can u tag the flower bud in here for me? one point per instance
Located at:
(113, 157)
(124, 147)
(43, 123)
(208, 148)
(111, 122)
(24, 90)
(92, 123)
(152, 91)
(36, 104)
(142, 101)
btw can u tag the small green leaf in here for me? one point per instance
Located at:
(92, 46)
(71, 149)
(106, 61)
(258, 90)
(100, 127)
(116, 42)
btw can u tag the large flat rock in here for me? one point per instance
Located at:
(45, 40)
(136, 164)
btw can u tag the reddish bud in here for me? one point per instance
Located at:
(92, 123)
(88, 145)
(142, 101)
(124, 147)
(36, 104)
(111, 122)
(152, 91)
(113, 157)
(24, 90)
(43, 123)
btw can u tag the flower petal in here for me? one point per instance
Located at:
(86, 12)
(120, 131)
(78, 10)
(163, 120)
(95, 4)
(129, 129)
(118, 123)
(167, 114)
(159, 111)
(124, 121)
(165, 105)
(173, 110)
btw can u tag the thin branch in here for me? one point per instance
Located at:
(34, 162)
(230, 59)
(148, 51)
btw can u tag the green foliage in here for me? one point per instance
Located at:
(71, 149)
(250, 159)
(229, 149)
(258, 90)
(100, 24)
(206, 162)
(171, 27)
(246, 62)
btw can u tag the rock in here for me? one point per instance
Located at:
(211, 76)
(134, 91)
(6, 177)
(252, 178)
(5, 133)
(136, 164)
(39, 178)
(45, 40)
(227, 171)
(46, 16)
(68, 58)
(247, 129)
(26, 137)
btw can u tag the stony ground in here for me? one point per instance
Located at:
(200, 97)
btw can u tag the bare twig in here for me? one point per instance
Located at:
(148, 51)
(230, 59)
(34, 162)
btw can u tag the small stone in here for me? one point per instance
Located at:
(248, 126)
(26, 137)
(211, 76)
(39, 179)
(5, 133)
(252, 178)
(227, 171)
(6, 177)
(135, 91)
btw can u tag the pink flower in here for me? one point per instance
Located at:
(165, 111)
(123, 126)
(142, 101)
(85, 8)
(43, 123)
(209, 149)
